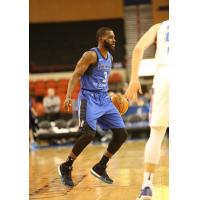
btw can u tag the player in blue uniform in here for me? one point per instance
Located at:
(95, 105)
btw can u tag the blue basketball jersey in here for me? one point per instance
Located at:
(96, 77)
(95, 105)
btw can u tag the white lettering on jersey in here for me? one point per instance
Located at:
(162, 51)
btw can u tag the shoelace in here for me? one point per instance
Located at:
(105, 174)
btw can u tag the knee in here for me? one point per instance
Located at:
(121, 134)
(157, 133)
(119, 137)
(88, 132)
(86, 137)
(124, 135)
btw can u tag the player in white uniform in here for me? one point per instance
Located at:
(159, 115)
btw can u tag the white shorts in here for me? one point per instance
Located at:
(159, 110)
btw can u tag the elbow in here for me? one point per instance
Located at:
(76, 75)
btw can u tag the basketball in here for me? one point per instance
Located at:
(120, 102)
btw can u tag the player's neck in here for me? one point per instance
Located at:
(103, 51)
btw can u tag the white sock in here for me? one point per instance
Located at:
(148, 179)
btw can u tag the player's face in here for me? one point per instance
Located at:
(109, 41)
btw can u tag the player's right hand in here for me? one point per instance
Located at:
(133, 89)
(68, 103)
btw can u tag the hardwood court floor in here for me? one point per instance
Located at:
(126, 169)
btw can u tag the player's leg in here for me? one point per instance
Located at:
(151, 160)
(99, 169)
(112, 120)
(158, 123)
(87, 134)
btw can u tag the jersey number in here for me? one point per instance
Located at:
(105, 77)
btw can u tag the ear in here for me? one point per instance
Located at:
(101, 39)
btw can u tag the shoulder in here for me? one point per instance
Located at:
(90, 56)
(45, 99)
(155, 27)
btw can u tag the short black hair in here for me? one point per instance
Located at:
(101, 31)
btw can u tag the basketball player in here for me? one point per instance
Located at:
(160, 104)
(95, 105)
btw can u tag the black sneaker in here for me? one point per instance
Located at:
(65, 174)
(99, 171)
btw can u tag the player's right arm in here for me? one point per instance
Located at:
(88, 58)
(145, 41)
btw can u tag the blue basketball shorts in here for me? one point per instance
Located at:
(98, 108)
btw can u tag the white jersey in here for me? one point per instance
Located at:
(160, 103)
(162, 50)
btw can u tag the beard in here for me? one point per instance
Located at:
(108, 46)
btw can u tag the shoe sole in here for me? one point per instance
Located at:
(144, 198)
(99, 177)
(59, 171)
